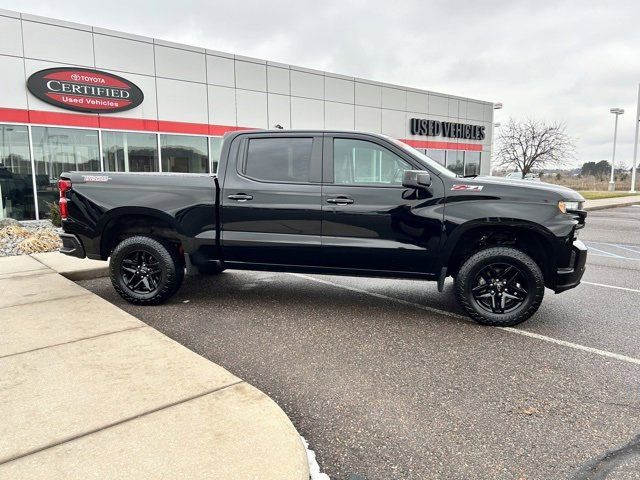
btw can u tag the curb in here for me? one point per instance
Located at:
(72, 268)
(86, 274)
(615, 205)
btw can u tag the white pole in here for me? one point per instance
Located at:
(612, 184)
(635, 147)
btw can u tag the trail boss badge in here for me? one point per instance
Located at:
(469, 188)
(85, 90)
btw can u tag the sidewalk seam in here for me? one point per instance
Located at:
(73, 341)
(30, 270)
(47, 300)
(31, 256)
(115, 424)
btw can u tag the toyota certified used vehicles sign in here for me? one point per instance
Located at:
(85, 90)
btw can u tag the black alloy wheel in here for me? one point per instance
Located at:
(146, 270)
(141, 272)
(499, 286)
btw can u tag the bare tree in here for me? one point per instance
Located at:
(533, 144)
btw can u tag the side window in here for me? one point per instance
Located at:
(362, 162)
(279, 159)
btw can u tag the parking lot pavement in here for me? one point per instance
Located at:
(386, 381)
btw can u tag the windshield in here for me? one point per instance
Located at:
(428, 161)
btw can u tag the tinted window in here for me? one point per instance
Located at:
(455, 161)
(279, 159)
(130, 152)
(362, 162)
(437, 155)
(215, 147)
(472, 163)
(16, 185)
(56, 150)
(184, 154)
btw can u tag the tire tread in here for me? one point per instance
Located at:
(168, 254)
(509, 320)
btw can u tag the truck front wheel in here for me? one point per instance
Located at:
(145, 270)
(500, 286)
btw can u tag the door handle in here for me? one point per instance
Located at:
(340, 200)
(240, 197)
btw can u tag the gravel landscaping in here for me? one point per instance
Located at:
(33, 236)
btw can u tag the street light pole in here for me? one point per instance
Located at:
(635, 147)
(496, 106)
(493, 139)
(617, 112)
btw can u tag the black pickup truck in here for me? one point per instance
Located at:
(330, 202)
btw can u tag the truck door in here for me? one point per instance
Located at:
(271, 210)
(371, 222)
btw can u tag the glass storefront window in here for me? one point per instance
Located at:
(56, 150)
(130, 152)
(16, 183)
(437, 155)
(455, 161)
(184, 154)
(214, 152)
(472, 163)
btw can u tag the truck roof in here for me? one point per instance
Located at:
(308, 131)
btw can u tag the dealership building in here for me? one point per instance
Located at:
(76, 97)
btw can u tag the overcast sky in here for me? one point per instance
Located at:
(564, 61)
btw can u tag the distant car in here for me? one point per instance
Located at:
(518, 176)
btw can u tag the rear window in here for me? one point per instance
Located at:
(279, 159)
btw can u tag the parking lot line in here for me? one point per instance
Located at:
(616, 245)
(611, 286)
(618, 219)
(612, 257)
(544, 338)
(606, 254)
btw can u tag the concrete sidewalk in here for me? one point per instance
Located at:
(88, 391)
(601, 204)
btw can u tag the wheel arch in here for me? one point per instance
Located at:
(123, 222)
(473, 236)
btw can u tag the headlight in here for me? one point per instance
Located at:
(566, 205)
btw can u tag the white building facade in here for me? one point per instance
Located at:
(191, 97)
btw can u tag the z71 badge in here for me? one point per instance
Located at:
(468, 188)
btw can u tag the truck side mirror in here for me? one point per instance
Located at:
(416, 179)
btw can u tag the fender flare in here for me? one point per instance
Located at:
(114, 215)
(450, 242)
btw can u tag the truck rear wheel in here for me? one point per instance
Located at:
(145, 270)
(500, 286)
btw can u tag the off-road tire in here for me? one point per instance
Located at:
(466, 277)
(170, 262)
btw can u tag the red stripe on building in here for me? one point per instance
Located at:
(219, 130)
(16, 115)
(183, 127)
(442, 145)
(69, 119)
(121, 123)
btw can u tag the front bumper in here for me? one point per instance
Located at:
(71, 245)
(569, 277)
